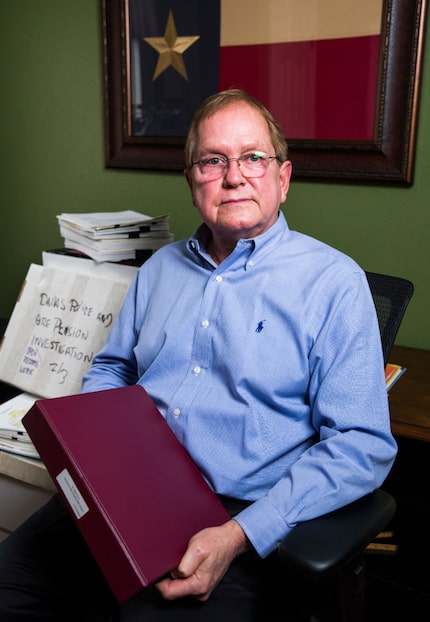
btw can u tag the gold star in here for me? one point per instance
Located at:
(170, 49)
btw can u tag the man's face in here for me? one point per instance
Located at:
(234, 206)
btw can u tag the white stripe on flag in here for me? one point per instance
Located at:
(250, 22)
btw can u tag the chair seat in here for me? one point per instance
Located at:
(311, 548)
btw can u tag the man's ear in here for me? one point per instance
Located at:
(285, 171)
(190, 182)
(188, 178)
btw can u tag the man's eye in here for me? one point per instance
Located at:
(253, 157)
(213, 161)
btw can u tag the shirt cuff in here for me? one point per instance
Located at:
(263, 526)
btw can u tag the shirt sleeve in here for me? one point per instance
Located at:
(349, 407)
(115, 364)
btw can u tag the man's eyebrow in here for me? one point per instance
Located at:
(205, 152)
(247, 149)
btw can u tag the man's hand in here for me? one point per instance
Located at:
(207, 558)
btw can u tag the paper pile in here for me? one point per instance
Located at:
(114, 236)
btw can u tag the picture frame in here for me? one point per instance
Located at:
(388, 158)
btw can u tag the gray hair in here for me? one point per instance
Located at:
(220, 100)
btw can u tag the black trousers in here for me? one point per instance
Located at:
(48, 574)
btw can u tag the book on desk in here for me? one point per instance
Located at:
(392, 374)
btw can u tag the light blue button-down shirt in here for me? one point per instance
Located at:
(268, 368)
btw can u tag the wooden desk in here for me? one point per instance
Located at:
(32, 472)
(24, 487)
(409, 398)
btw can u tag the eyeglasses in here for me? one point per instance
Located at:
(251, 165)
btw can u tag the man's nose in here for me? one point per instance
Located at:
(233, 173)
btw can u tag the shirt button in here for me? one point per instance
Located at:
(250, 263)
(197, 370)
(176, 412)
(218, 278)
(205, 323)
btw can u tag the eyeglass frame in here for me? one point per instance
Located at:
(264, 156)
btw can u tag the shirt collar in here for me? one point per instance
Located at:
(259, 246)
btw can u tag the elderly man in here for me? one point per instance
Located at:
(260, 346)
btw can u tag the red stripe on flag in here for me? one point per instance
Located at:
(316, 89)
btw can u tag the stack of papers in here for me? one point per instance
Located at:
(114, 236)
(13, 436)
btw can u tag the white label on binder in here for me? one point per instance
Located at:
(72, 494)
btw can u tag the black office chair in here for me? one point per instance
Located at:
(328, 552)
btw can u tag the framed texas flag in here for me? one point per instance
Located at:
(341, 77)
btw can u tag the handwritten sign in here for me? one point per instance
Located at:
(59, 323)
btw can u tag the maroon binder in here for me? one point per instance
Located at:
(132, 489)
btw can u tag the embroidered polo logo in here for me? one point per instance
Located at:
(260, 326)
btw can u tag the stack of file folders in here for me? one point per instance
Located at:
(13, 436)
(114, 236)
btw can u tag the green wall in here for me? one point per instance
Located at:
(52, 161)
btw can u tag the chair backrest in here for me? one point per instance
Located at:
(391, 295)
